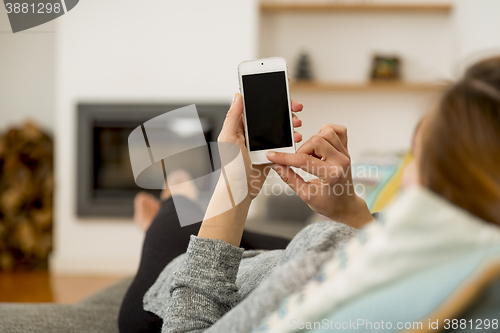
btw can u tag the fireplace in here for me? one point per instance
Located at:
(105, 182)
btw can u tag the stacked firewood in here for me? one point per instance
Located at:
(26, 186)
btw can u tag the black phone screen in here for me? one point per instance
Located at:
(266, 107)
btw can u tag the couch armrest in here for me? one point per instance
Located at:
(96, 314)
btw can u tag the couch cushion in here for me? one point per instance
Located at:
(442, 292)
(96, 314)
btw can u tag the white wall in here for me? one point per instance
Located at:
(477, 30)
(27, 75)
(125, 50)
(341, 45)
(188, 51)
(433, 46)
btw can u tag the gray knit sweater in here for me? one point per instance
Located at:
(216, 288)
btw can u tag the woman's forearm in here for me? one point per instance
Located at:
(204, 289)
(226, 226)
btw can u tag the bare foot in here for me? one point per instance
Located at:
(165, 193)
(181, 183)
(146, 206)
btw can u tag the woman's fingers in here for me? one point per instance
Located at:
(332, 138)
(341, 132)
(296, 106)
(305, 162)
(292, 179)
(296, 121)
(297, 137)
(232, 123)
(319, 147)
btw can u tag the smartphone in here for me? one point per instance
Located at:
(267, 107)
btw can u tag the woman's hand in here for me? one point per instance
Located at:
(233, 131)
(325, 155)
(242, 181)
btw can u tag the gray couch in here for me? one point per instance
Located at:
(99, 313)
(96, 314)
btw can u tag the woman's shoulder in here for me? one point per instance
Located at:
(322, 236)
(325, 230)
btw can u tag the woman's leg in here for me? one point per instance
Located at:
(165, 240)
(256, 241)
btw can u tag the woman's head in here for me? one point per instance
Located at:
(458, 148)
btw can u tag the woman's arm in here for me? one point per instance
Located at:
(214, 310)
(228, 226)
(204, 289)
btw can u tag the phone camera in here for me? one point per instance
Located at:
(262, 63)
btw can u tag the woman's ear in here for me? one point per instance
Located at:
(410, 175)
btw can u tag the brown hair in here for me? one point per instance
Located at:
(460, 143)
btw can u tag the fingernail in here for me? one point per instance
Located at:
(234, 98)
(271, 154)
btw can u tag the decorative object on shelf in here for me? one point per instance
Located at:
(303, 70)
(386, 68)
(26, 186)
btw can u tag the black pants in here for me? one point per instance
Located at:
(165, 240)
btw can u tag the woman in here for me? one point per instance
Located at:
(165, 240)
(216, 287)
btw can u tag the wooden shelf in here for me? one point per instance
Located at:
(321, 86)
(269, 6)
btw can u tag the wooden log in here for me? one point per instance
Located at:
(26, 190)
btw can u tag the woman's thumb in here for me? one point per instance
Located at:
(232, 122)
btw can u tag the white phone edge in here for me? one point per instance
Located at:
(265, 65)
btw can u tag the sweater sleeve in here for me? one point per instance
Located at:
(204, 288)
